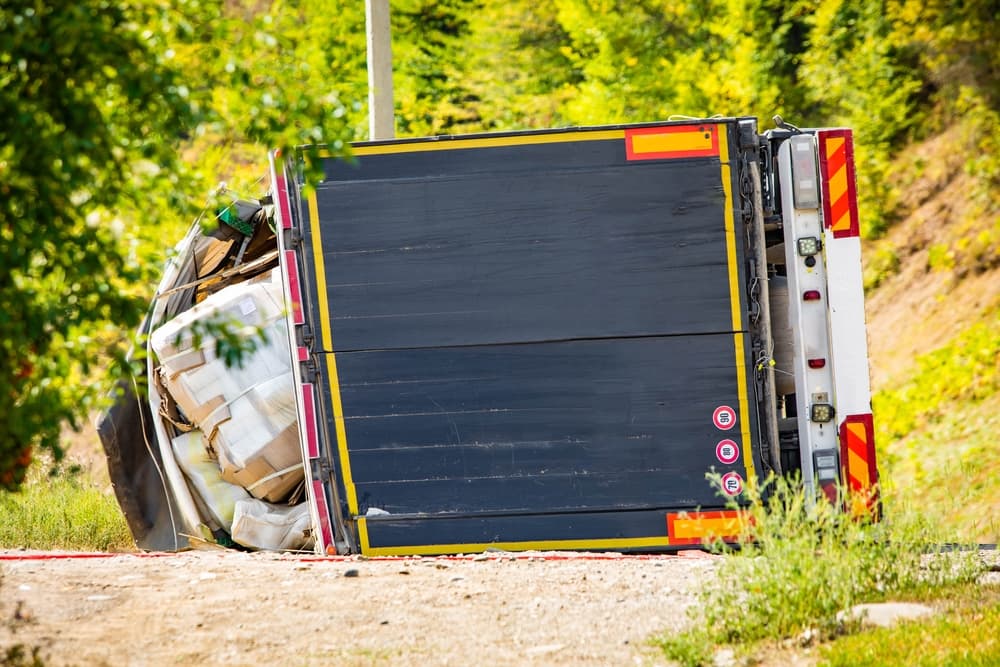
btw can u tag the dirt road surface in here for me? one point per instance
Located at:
(230, 608)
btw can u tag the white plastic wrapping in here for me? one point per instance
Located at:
(219, 496)
(261, 525)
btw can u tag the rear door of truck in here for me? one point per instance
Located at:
(534, 340)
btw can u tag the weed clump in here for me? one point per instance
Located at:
(800, 561)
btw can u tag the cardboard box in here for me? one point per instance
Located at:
(258, 447)
(247, 413)
(255, 303)
(198, 381)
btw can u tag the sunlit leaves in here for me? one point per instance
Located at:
(98, 100)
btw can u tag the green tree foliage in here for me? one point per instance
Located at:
(89, 113)
(857, 77)
(97, 99)
(514, 66)
(431, 91)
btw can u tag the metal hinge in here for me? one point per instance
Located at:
(309, 370)
(292, 238)
(321, 469)
(305, 336)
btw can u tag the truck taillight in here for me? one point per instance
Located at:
(804, 187)
(825, 465)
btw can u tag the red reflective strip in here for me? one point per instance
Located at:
(309, 410)
(284, 209)
(324, 513)
(840, 216)
(291, 264)
(302, 353)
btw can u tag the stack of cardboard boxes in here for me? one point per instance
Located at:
(244, 415)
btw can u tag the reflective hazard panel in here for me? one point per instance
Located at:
(693, 528)
(857, 456)
(840, 197)
(672, 141)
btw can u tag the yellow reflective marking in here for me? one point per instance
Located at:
(668, 142)
(838, 184)
(341, 428)
(484, 142)
(363, 535)
(324, 308)
(547, 545)
(331, 362)
(736, 304)
(698, 528)
(858, 430)
(834, 144)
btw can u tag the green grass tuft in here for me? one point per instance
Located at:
(802, 563)
(968, 636)
(62, 511)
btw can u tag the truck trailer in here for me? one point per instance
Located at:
(535, 340)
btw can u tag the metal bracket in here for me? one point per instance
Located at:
(309, 370)
(292, 238)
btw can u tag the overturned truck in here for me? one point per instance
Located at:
(530, 340)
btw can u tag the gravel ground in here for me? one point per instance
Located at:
(230, 608)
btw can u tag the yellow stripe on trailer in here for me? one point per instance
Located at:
(331, 361)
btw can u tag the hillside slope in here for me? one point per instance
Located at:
(934, 335)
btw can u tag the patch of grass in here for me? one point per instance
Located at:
(953, 464)
(965, 369)
(880, 265)
(940, 257)
(968, 635)
(936, 431)
(62, 511)
(801, 562)
(19, 655)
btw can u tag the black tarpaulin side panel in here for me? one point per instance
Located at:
(530, 330)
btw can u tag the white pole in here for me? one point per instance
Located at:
(380, 111)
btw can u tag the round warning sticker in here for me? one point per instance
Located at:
(732, 484)
(727, 451)
(724, 417)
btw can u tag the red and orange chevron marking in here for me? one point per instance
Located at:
(840, 201)
(857, 456)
